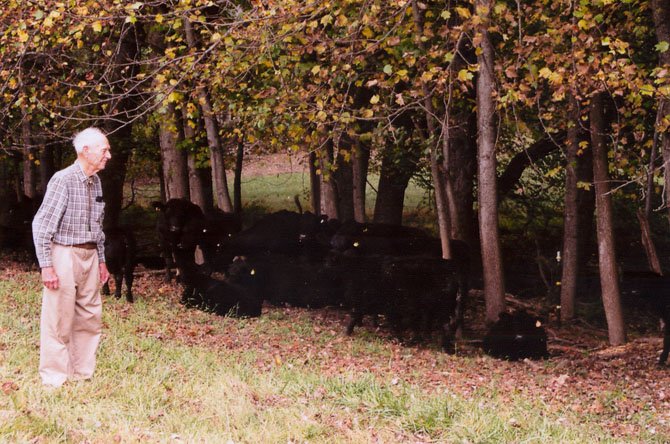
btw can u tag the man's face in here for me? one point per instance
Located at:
(98, 155)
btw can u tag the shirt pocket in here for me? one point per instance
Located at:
(98, 211)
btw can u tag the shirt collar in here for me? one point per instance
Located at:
(80, 172)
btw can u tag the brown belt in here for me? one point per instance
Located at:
(87, 245)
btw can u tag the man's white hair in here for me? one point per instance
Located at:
(90, 137)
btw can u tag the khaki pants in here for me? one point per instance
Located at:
(71, 321)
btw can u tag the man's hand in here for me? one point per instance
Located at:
(50, 278)
(104, 274)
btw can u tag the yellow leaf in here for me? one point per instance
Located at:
(368, 33)
(374, 99)
(463, 12)
(464, 75)
(159, 18)
(426, 76)
(316, 69)
(368, 113)
(545, 73)
(97, 26)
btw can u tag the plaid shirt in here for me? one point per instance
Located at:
(71, 213)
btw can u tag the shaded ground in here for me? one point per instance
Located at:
(608, 385)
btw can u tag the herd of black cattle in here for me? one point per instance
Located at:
(390, 272)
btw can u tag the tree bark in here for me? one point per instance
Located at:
(315, 183)
(119, 131)
(441, 203)
(237, 180)
(494, 288)
(609, 278)
(328, 187)
(570, 257)
(661, 14)
(196, 176)
(360, 161)
(47, 167)
(461, 174)
(29, 170)
(175, 171)
(213, 138)
(344, 177)
(393, 181)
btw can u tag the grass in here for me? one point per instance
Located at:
(167, 374)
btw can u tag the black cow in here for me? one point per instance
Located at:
(16, 225)
(120, 250)
(236, 296)
(516, 336)
(416, 292)
(295, 281)
(283, 232)
(654, 291)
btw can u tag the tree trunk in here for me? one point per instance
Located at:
(47, 167)
(441, 204)
(661, 14)
(570, 257)
(120, 135)
(609, 279)
(213, 138)
(175, 171)
(237, 180)
(494, 288)
(461, 174)
(196, 175)
(29, 170)
(344, 177)
(329, 195)
(360, 161)
(315, 183)
(390, 192)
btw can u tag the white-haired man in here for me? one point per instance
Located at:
(69, 242)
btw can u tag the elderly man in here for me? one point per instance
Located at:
(69, 242)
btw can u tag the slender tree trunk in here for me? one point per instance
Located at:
(644, 214)
(441, 204)
(315, 183)
(609, 278)
(570, 257)
(237, 180)
(175, 171)
(29, 170)
(329, 194)
(120, 135)
(461, 174)
(47, 168)
(213, 138)
(494, 288)
(344, 176)
(661, 14)
(196, 184)
(360, 160)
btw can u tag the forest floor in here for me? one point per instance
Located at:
(584, 381)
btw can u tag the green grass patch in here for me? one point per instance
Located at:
(167, 374)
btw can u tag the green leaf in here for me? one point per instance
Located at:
(388, 69)
(662, 46)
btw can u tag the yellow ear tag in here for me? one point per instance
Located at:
(356, 244)
(538, 324)
(253, 272)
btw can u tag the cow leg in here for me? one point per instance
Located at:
(118, 284)
(129, 276)
(356, 318)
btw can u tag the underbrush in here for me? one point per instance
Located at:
(168, 374)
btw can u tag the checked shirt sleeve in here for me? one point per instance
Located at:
(47, 219)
